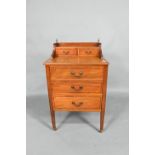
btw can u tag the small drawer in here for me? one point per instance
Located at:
(66, 51)
(63, 73)
(93, 51)
(77, 103)
(76, 87)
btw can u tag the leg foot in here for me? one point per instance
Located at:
(101, 121)
(53, 119)
(54, 128)
(101, 131)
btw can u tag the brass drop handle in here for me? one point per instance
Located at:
(66, 52)
(77, 75)
(88, 52)
(77, 104)
(77, 88)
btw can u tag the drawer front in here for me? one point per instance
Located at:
(77, 103)
(89, 51)
(62, 73)
(76, 87)
(66, 51)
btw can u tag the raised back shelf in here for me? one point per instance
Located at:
(88, 49)
(77, 44)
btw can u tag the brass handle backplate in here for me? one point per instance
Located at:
(66, 52)
(77, 88)
(88, 52)
(77, 104)
(76, 74)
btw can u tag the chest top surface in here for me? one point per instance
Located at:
(76, 53)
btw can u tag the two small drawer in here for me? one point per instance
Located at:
(83, 51)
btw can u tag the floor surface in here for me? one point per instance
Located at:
(77, 133)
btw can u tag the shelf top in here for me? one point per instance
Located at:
(77, 44)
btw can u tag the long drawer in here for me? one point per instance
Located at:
(76, 87)
(77, 103)
(69, 72)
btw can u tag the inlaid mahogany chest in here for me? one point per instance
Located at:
(77, 78)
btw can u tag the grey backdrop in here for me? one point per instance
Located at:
(77, 20)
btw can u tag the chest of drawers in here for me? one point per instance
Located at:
(77, 79)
